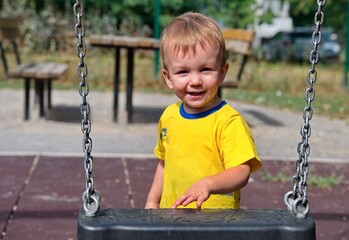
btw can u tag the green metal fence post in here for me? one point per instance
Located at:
(157, 14)
(346, 64)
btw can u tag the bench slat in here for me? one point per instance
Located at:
(237, 41)
(40, 71)
(238, 34)
(238, 46)
(124, 41)
(8, 29)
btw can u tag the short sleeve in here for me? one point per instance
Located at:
(237, 144)
(159, 149)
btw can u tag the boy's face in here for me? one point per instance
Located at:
(195, 79)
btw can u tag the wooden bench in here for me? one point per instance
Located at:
(238, 41)
(41, 73)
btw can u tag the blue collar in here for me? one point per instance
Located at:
(202, 114)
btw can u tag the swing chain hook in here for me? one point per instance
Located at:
(90, 197)
(296, 200)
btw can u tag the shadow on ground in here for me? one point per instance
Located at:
(72, 114)
(64, 113)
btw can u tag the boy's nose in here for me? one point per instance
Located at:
(195, 80)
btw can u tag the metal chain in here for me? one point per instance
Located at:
(296, 200)
(90, 198)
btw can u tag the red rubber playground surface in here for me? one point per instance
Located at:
(41, 195)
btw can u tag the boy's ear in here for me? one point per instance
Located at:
(167, 78)
(224, 71)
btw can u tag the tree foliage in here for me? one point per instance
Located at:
(136, 17)
(234, 14)
(335, 14)
(124, 13)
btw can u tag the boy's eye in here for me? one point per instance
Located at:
(206, 69)
(181, 72)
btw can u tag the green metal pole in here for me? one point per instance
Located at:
(157, 14)
(346, 66)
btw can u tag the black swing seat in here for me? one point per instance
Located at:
(183, 224)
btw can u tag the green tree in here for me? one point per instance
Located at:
(136, 17)
(303, 12)
(233, 14)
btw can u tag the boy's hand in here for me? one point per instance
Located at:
(199, 192)
(151, 205)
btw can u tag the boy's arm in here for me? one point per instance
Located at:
(154, 195)
(227, 181)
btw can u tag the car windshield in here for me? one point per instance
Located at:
(326, 36)
(303, 34)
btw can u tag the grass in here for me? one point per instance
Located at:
(277, 85)
(283, 85)
(328, 105)
(316, 180)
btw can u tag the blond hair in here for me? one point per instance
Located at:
(188, 30)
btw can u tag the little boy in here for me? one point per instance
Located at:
(205, 148)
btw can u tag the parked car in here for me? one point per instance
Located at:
(297, 45)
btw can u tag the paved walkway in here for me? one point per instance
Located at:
(276, 132)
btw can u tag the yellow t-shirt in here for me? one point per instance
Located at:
(194, 146)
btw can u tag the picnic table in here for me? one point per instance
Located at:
(42, 73)
(238, 41)
(130, 44)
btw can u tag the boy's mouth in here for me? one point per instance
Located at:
(195, 93)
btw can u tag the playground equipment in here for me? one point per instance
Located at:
(293, 223)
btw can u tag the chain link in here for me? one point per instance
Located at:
(90, 197)
(296, 200)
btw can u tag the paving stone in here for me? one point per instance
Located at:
(48, 208)
(13, 173)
